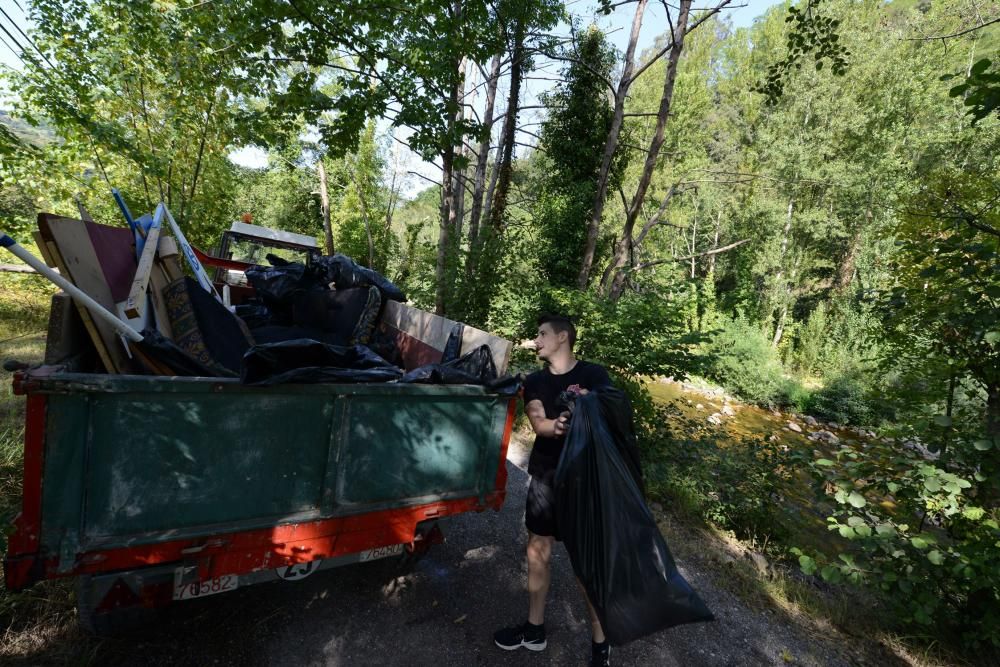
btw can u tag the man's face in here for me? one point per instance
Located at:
(548, 341)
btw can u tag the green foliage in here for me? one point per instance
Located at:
(916, 532)
(740, 358)
(843, 399)
(572, 138)
(362, 223)
(17, 210)
(641, 334)
(280, 197)
(980, 90)
(810, 33)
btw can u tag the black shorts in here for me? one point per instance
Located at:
(540, 512)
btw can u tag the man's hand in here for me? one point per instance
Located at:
(561, 424)
(549, 428)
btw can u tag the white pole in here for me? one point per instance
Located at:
(96, 309)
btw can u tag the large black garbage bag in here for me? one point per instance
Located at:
(344, 272)
(306, 361)
(475, 367)
(614, 544)
(276, 286)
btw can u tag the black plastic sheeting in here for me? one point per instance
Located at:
(279, 284)
(306, 361)
(343, 272)
(475, 367)
(615, 547)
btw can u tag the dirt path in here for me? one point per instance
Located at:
(440, 614)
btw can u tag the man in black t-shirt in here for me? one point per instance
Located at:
(564, 372)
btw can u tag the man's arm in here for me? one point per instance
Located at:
(547, 428)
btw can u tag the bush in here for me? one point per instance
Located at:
(843, 400)
(793, 395)
(740, 358)
(931, 550)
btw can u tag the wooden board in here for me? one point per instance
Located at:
(430, 331)
(77, 258)
(53, 259)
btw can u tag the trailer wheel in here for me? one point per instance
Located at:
(97, 618)
(427, 535)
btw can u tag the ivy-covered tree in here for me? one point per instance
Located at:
(576, 125)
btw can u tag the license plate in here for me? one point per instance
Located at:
(200, 589)
(381, 552)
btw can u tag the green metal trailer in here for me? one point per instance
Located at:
(154, 489)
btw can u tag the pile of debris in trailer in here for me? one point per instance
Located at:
(128, 306)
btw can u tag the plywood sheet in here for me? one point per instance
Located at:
(433, 330)
(73, 243)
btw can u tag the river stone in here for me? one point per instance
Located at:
(792, 426)
(824, 436)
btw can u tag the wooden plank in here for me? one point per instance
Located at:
(18, 268)
(158, 282)
(73, 243)
(66, 337)
(433, 330)
(136, 300)
(43, 248)
(52, 252)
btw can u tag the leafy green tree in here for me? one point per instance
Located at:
(141, 99)
(577, 123)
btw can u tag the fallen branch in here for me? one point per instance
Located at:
(18, 268)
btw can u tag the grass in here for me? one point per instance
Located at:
(31, 619)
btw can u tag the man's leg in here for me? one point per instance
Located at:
(600, 650)
(595, 622)
(539, 575)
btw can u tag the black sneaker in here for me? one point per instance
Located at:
(531, 637)
(600, 655)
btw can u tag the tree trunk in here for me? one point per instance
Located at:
(694, 242)
(611, 145)
(784, 239)
(443, 229)
(462, 152)
(845, 272)
(505, 167)
(635, 207)
(779, 330)
(483, 159)
(949, 409)
(324, 205)
(715, 243)
(447, 222)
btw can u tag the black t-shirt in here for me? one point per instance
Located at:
(546, 387)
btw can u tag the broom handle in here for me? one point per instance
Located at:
(96, 309)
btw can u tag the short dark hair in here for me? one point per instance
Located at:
(560, 323)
